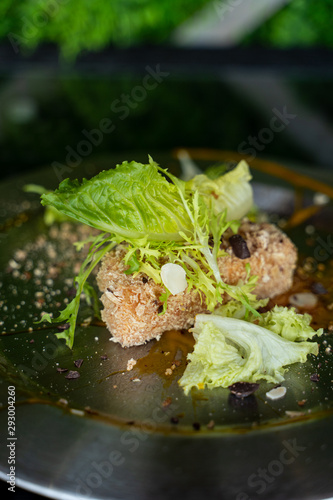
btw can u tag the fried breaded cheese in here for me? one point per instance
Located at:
(132, 306)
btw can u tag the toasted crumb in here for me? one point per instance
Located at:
(168, 371)
(211, 424)
(294, 414)
(167, 402)
(130, 364)
(63, 401)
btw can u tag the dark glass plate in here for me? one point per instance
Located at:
(114, 433)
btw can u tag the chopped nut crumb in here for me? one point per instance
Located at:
(167, 402)
(63, 401)
(211, 424)
(168, 371)
(294, 414)
(130, 364)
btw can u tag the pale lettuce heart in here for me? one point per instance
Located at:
(231, 191)
(229, 350)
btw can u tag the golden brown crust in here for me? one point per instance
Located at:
(132, 305)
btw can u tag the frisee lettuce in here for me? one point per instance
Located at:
(229, 350)
(283, 321)
(289, 324)
(160, 218)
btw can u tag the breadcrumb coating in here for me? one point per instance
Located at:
(132, 305)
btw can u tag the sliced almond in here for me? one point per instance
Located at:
(277, 393)
(305, 299)
(173, 277)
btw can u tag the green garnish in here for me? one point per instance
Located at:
(229, 350)
(162, 219)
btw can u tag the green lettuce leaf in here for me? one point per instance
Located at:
(132, 200)
(231, 191)
(230, 350)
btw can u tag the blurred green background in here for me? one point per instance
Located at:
(93, 25)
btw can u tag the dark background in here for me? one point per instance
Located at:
(210, 98)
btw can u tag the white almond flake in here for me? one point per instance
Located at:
(173, 277)
(305, 299)
(277, 393)
(294, 414)
(79, 413)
